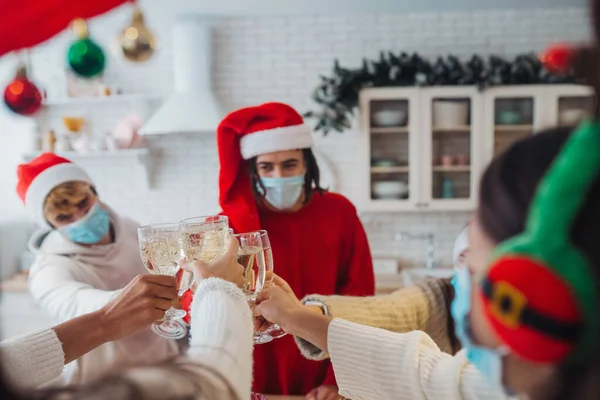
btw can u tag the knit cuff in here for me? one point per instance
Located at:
(307, 349)
(33, 359)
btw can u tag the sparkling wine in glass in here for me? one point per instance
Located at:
(160, 250)
(274, 331)
(204, 238)
(252, 258)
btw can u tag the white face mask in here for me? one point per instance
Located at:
(283, 193)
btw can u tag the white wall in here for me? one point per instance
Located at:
(260, 59)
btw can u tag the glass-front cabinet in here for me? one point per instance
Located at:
(449, 141)
(392, 146)
(426, 148)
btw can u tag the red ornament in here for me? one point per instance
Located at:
(558, 58)
(21, 95)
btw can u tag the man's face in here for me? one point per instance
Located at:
(68, 203)
(281, 164)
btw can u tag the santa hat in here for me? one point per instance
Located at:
(37, 178)
(247, 133)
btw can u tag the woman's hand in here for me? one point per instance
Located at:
(143, 301)
(277, 306)
(225, 267)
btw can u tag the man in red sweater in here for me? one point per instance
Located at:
(269, 179)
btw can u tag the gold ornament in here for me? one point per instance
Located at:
(136, 41)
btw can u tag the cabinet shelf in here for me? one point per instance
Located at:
(398, 129)
(452, 168)
(389, 170)
(514, 128)
(453, 129)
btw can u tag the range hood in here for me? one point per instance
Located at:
(192, 108)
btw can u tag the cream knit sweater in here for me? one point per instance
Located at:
(218, 365)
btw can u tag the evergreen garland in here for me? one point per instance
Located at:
(337, 95)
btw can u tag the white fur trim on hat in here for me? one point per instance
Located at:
(47, 180)
(278, 139)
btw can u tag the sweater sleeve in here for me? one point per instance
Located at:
(58, 293)
(218, 365)
(414, 308)
(404, 310)
(373, 363)
(32, 359)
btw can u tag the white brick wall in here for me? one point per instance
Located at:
(280, 58)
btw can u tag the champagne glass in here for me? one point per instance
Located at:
(160, 250)
(274, 331)
(204, 238)
(252, 258)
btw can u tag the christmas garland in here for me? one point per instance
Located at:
(337, 95)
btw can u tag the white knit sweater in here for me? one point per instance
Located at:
(218, 364)
(375, 364)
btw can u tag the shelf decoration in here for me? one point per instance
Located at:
(337, 95)
(21, 95)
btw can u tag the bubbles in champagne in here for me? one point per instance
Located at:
(161, 255)
(205, 245)
(252, 259)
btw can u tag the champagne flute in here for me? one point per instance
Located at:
(160, 250)
(252, 258)
(274, 331)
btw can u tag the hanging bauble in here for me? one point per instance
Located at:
(85, 57)
(558, 58)
(21, 95)
(136, 42)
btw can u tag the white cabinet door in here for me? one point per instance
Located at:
(389, 121)
(451, 138)
(511, 113)
(566, 105)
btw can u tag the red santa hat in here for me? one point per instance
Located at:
(247, 133)
(37, 178)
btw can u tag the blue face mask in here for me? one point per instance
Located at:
(91, 228)
(487, 361)
(283, 193)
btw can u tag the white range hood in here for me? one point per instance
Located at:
(192, 108)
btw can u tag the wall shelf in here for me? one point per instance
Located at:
(125, 98)
(142, 156)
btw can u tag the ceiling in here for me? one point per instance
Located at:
(285, 7)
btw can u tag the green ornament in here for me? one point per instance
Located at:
(86, 58)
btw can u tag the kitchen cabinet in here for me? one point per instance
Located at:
(424, 149)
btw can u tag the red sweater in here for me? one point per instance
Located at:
(322, 248)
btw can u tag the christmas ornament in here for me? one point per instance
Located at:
(85, 57)
(558, 58)
(21, 95)
(136, 42)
